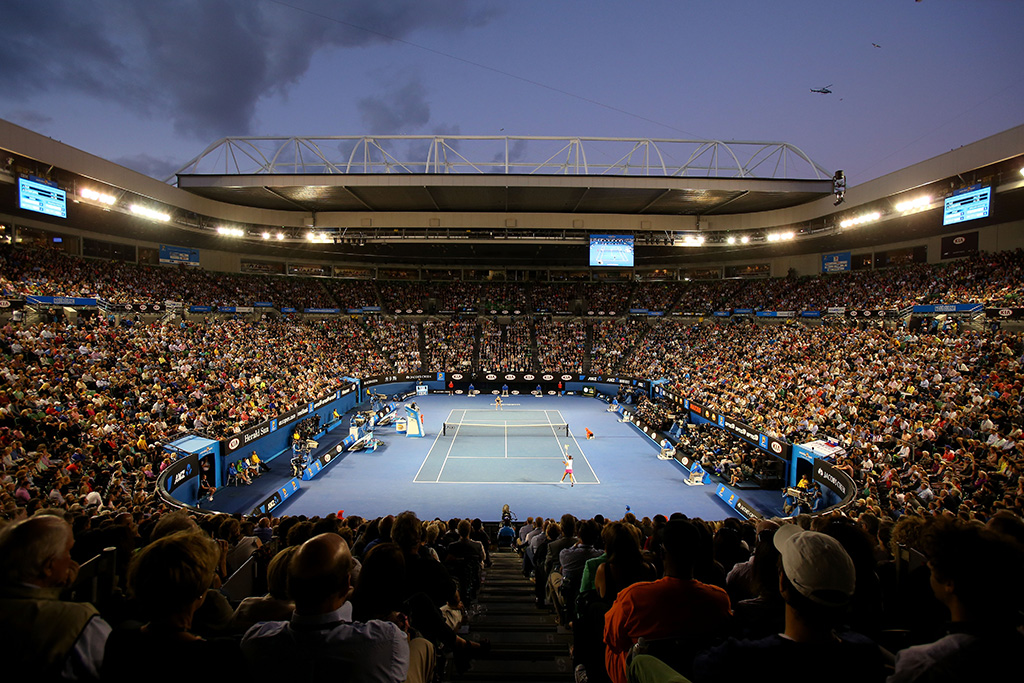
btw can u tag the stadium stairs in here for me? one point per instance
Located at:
(526, 643)
(588, 356)
(476, 345)
(421, 333)
(534, 351)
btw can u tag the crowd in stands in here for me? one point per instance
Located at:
(505, 348)
(613, 339)
(353, 293)
(930, 422)
(609, 297)
(403, 296)
(397, 341)
(561, 345)
(450, 343)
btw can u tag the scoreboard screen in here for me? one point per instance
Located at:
(967, 206)
(42, 198)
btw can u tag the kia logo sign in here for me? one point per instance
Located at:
(776, 446)
(1005, 312)
(458, 391)
(457, 376)
(510, 376)
(142, 307)
(527, 377)
(233, 444)
(338, 448)
(548, 377)
(959, 240)
(566, 377)
(492, 377)
(4, 303)
(327, 458)
(127, 307)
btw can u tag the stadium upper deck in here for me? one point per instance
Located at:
(507, 216)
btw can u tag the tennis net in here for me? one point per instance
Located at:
(505, 429)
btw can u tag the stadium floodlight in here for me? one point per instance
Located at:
(788, 235)
(151, 214)
(731, 240)
(914, 204)
(280, 236)
(265, 235)
(230, 232)
(860, 220)
(745, 239)
(97, 196)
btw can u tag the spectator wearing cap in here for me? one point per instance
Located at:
(817, 579)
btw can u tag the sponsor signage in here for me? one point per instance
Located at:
(12, 303)
(72, 301)
(777, 447)
(726, 494)
(135, 308)
(836, 263)
(200, 309)
(743, 311)
(323, 310)
(810, 314)
(182, 471)
(263, 304)
(949, 309)
(955, 246)
(833, 478)
(1011, 313)
(744, 508)
(233, 443)
(741, 430)
(179, 255)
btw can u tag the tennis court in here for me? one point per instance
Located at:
(508, 446)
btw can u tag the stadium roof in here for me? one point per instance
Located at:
(507, 174)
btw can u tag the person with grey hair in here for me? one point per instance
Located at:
(46, 637)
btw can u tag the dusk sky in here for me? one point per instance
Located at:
(149, 84)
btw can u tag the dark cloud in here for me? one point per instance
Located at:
(205, 64)
(161, 169)
(402, 110)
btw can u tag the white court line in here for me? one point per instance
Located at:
(450, 446)
(509, 483)
(427, 457)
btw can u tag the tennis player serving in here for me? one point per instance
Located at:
(568, 468)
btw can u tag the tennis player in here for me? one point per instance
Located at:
(590, 434)
(568, 468)
(497, 402)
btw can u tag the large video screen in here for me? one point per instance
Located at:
(611, 250)
(42, 198)
(967, 206)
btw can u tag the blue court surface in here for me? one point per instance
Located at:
(475, 458)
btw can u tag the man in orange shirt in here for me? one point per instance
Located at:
(674, 606)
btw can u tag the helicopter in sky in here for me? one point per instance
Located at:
(823, 91)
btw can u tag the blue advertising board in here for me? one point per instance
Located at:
(176, 255)
(836, 263)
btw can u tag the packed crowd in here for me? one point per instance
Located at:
(505, 348)
(613, 339)
(561, 345)
(450, 343)
(397, 341)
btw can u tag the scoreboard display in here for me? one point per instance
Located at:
(34, 195)
(967, 206)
